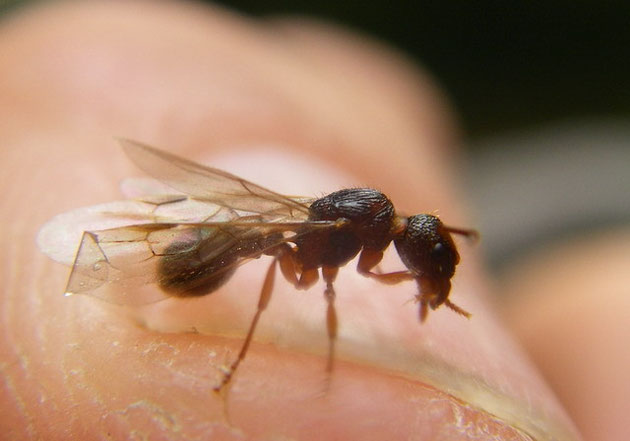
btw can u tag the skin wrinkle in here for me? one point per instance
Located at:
(158, 414)
(18, 371)
(14, 394)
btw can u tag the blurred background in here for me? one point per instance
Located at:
(542, 90)
(505, 64)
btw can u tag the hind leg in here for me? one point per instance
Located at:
(284, 256)
(263, 301)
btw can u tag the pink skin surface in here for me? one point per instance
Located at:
(574, 320)
(297, 106)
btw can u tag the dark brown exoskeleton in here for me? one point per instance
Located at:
(188, 258)
(366, 223)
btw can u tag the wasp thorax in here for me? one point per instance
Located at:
(369, 213)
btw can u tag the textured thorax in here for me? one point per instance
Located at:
(370, 213)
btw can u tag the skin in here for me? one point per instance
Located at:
(570, 310)
(297, 106)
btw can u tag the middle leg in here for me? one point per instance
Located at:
(329, 273)
(370, 258)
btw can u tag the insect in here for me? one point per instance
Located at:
(190, 242)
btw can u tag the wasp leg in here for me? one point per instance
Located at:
(329, 273)
(263, 301)
(286, 259)
(370, 258)
(307, 278)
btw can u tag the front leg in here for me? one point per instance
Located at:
(433, 293)
(370, 258)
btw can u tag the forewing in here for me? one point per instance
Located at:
(125, 242)
(132, 257)
(211, 184)
(58, 238)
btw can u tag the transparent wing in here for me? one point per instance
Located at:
(179, 258)
(186, 236)
(211, 184)
(58, 238)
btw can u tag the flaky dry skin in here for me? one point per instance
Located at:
(309, 106)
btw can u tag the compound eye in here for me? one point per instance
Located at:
(438, 251)
(442, 259)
